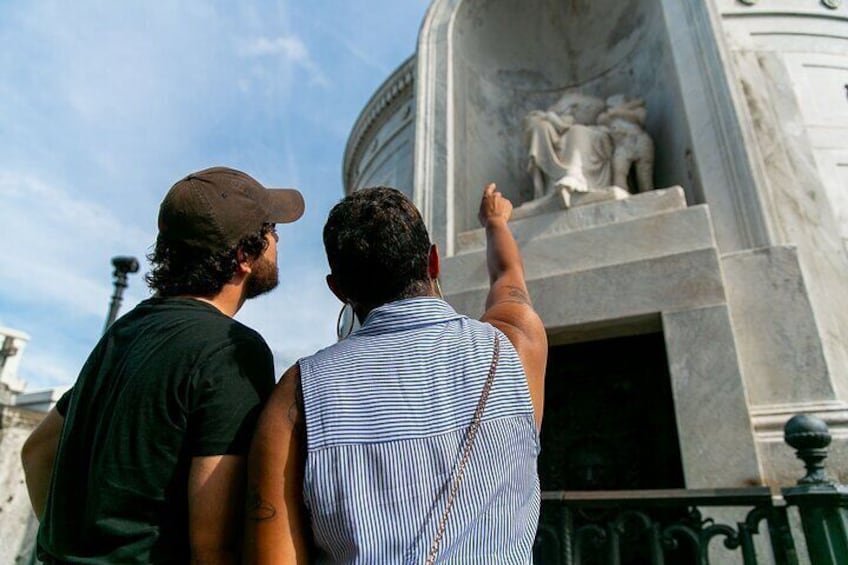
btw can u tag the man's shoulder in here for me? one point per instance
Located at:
(207, 321)
(231, 340)
(187, 335)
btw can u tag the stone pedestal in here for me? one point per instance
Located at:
(639, 265)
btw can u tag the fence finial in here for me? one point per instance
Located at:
(810, 437)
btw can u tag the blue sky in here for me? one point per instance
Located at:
(104, 105)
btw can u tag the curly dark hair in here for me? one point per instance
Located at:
(179, 269)
(377, 247)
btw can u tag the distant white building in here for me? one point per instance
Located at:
(12, 344)
(12, 388)
(20, 413)
(40, 400)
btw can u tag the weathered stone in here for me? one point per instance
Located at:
(17, 536)
(749, 285)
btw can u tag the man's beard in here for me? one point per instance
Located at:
(263, 278)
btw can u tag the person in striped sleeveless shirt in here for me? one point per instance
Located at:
(415, 438)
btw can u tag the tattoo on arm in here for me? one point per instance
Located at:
(517, 296)
(259, 510)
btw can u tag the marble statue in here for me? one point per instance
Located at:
(566, 147)
(625, 120)
(583, 144)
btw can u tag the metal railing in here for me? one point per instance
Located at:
(659, 526)
(670, 527)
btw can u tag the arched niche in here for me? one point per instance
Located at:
(483, 64)
(514, 56)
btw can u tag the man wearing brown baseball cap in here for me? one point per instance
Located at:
(142, 460)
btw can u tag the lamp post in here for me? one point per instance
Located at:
(123, 266)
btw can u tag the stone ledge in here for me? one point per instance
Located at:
(548, 253)
(558, 221)
(645, 287)
(768, 420)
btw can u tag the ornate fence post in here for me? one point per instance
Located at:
(822, 503)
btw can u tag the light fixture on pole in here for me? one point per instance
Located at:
(123, 266)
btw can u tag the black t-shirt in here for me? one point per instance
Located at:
(173, 379)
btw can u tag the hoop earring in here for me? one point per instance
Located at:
(345, 321)
(439, 288)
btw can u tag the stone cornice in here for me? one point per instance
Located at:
(768, 421)
(397, 89)
(824, 8)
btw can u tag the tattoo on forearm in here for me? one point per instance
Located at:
(259, 510)
(518, 296)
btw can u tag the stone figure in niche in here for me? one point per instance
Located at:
(566, 147)
(633, 148)
(584, 148)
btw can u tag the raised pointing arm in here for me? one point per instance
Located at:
(508, 305)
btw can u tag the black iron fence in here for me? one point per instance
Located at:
(671, 527)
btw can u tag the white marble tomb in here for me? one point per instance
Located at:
(739, 259)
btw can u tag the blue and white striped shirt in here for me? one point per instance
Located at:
(387, 411)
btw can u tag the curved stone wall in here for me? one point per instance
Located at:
(792, 60)
(380, 147)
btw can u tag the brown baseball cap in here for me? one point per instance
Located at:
(215, 208)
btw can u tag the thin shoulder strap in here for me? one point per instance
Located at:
(469, 443)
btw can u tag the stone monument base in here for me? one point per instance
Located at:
(739, 332)
(563, 198)
(544, 216)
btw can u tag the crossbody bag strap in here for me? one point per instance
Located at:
(469, 443)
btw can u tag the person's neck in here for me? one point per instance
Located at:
(363, 311)
(228, 301)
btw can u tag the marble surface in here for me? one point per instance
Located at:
(716, 439)
(548, 218)
(583, 144)
(474, 87)
(782, 355)
(379, 151)
(683, 286)
(787, 65)
(744, 116)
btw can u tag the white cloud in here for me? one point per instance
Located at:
(105, 104)
(331, 33)
(56, 246)
(291, 49)
(49, 372)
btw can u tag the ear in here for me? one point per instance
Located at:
(433, 262)
(334, 287)
(245, 264)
